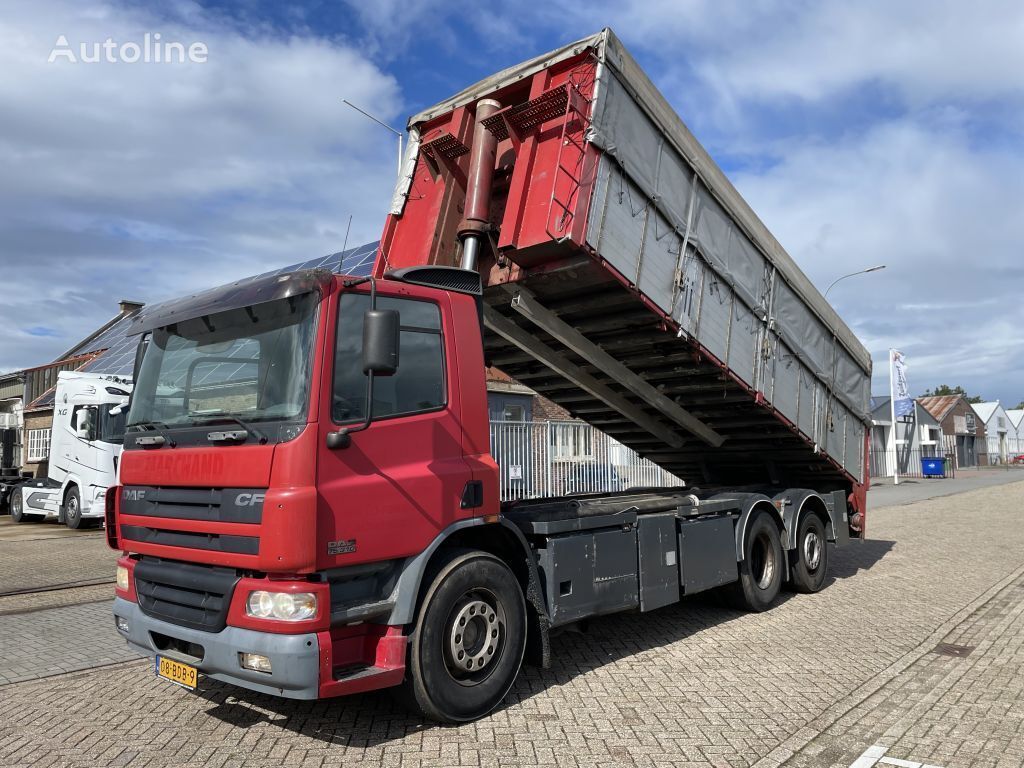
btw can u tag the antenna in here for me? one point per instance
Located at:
(378, 121)
(344, 246)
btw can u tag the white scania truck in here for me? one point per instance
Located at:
(89, 414)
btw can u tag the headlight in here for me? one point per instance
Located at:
(283, 606)
(122, 578)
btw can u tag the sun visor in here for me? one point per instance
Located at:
(243, 293)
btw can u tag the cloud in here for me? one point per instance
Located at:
(149, 180)
(926, 49)
(942, 214)
(861, 132)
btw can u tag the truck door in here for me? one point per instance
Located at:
(401, 480)
(79, 450)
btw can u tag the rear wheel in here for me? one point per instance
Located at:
(762, 566)
(18, 514)
(469, 639)
(73, 508)
(811, 555)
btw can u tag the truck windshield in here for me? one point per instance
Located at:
(112, 425)
(252, 363)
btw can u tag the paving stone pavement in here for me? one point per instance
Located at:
(43, 529)
(36, 563)
(693, 684)
(55, 598)
(958, 702)
(53, 641)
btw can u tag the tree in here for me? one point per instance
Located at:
(945, 389)
(1019, 406)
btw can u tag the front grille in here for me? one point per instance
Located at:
(194, 596)
(215, 542)
(220, 505)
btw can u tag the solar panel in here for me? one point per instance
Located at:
(357, 262)
(105, 340)
(119, 359)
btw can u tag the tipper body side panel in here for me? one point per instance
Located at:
(627, 281)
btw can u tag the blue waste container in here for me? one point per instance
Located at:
(933, 466)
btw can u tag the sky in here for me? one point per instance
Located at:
(862, 133)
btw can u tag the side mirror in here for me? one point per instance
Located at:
(82, 431)
(380, 341)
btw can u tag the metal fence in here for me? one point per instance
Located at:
(907, 461)
(555, 458)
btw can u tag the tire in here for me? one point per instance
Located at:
(73, 509)
(761, 570)
(810, 562)
(18, 514)
(472, 615)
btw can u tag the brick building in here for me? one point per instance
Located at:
(34, 406)
(962, 431)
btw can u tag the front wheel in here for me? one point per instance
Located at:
(761, 571)
(73, 508)
(469, 639)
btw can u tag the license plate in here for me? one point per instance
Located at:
(178, 673)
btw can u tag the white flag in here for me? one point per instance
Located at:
(903, 403)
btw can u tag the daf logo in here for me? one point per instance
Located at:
(249, 499)
(134, 494)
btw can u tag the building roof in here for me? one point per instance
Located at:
(1016, 417)
(939, 406)
(881, 413)
(986, 411)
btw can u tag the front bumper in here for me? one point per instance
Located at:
(295, 659)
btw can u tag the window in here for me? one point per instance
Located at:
(84, 415)
(112, 424)
(254, 363)
(419, 383)
(38, 444)
(513, 413)
(571, 441)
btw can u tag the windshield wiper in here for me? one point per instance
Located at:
(225, 436)
(157, 426)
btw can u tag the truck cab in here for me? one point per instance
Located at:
(257, 474)
(89, 413)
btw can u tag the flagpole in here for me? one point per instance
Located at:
(892, 412)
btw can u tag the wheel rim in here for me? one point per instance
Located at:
(812, 550)
(72, 510)
(474, 637)
(762, 561)
(16, 504)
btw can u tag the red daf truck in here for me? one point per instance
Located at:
(309, 506)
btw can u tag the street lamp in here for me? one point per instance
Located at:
(853, 274)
